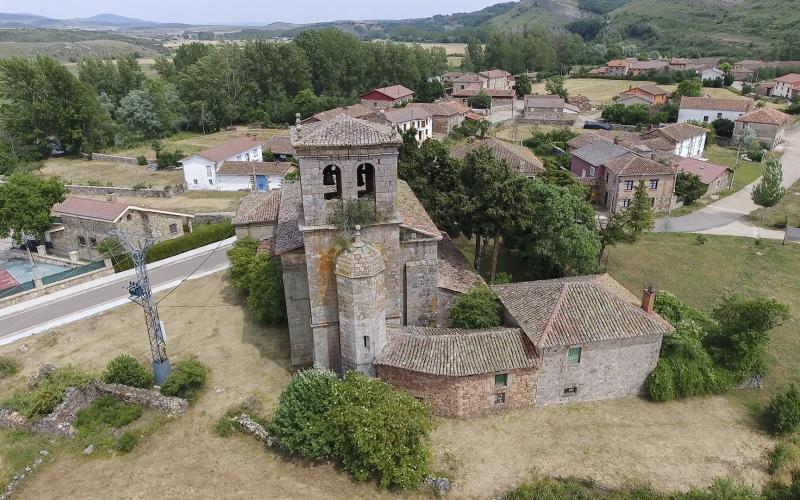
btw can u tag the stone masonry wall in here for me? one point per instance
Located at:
(298, 310)
(465, 396)
(362, 321)
(420, 260)
(123, 191)
(445, 302)
(610, 369)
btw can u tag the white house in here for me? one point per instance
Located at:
(709, 74)
(787, 86)
(251, 175)
(707, 109)
(689, 140)
(406, 118)
(200, 169)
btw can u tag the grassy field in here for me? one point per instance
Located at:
(598, 90)
(78, 171)
(613, 441)
(192, 142)
(788, 210)
(73, 51)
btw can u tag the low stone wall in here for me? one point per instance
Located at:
(127, 160)
(49, 259)
(48, 289)
(212, 218)
(121, 191)
(547, 121)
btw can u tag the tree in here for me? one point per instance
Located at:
(769, 191)
(723, 127)
(480, 101)
(522, 86)
(555, 86)
(689, 187)
(150, 111)
(783, 411)
(25, 204)
(428, 90)
(614, 231)
(473, 55)
(692, 87)
(476, 309)
(640, 211)
(260, 277)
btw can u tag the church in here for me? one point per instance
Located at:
(377, 298)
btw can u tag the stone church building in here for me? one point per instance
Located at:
(377, 298)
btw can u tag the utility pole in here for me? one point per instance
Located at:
(140, 293)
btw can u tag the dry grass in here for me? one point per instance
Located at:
(192, 142)
(676, 445)
(78, 171)
(598, 90)
(191, 202)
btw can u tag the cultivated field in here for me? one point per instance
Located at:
(674, 445)
(73, 51)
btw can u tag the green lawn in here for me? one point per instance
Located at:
(787, 211)
(701, 274)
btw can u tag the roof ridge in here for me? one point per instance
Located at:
(549, 326)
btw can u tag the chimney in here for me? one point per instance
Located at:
(616, 140)
(112, 197)
(649, 299)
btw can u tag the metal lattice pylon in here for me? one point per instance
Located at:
(137, 246)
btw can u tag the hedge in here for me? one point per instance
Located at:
(201, 235)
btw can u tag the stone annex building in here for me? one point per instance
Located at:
(381, 303)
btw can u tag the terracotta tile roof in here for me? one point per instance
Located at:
(707, 171)
(766, 115)
(710, 103)
(451, 76)
(406, 114)
(599, 71)
(628, 99)
(653, 90)
(473, 91)
(495, 73)
(544, 101)
(456, 353)
(648, 65)
(353, 111)
(445, 108)
(474, 116)
(469, 78)
(631, 164)
(258, 208)
(597, 153)
(657, 144)
(620, 63)
(791, 78)
(90, 209)
(254, 167)
(393, 91)
(287, 233)
(522, 160)
(455, 271)
(619, 137)
(582, 139)
(570, 311)
(342, 132)
(412, 214)
(281, 145)
(677, 132)
(229, 149)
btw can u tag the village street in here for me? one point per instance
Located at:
(728, 215)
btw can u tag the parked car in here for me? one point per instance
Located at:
(597, 126)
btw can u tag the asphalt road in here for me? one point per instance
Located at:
(63, 307)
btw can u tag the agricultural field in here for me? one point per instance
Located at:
(74, 51)
(612, 442)
(598, 90)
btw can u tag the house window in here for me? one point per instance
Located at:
(129, 217)
(211, 182)
(93, 242)
(654, 184)
(81, 241)
(628, 185)
(652, 202)
(570, 390)
(247, 157)
(501, 380)
(625, 202)
(366, 342)
(705, 119)
(209, 171)
(574, 355)
(500, 398)
(719, 115)
(194, 181)
(173, 229)
(592, 171)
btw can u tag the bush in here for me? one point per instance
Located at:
(380, 431)
(186, 381)
(260, 277)
(127, 442)
(301, 420)
(8, 367)
(139, 186)
(44, 398)
(476, 309)
(109, 412)
(502, 279)
(126, 370)
(783, 412)
(141, 160)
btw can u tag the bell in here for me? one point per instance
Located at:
(328, 179)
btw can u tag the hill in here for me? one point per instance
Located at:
(73, 45)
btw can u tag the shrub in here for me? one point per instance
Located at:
(502, 279)
(127, 442)
(8, 367)
(108, 411)
(44, 398)
(476, 309)
(777, 458)
(260, 277)
(187, 379)
(125, 369)
(701, 239)
(783, 412)
(301, 420)
(141, 160)
(139, 186)
(380, 431)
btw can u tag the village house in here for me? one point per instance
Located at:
(549, 108)
(716, 177)
(614, 171)
(280, 147)
(251, 175)
(81, 225)
(469, 80)
(501, 98)
(711, 74)
(497, 79)
(357, 110)
(708, 109)
(446, 115)
(406, 118)
(768, 124)
(634, 67)
(387, 97)
(257, 215)
(787, 86)
(519, 158)
(689, 140)
(652, 94)
(380, 303)
(200, 169)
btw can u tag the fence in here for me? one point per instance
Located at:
(54, 282)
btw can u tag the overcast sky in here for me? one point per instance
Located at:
(244, 11)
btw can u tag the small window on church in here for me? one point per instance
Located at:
(332, 180)
(366, 342)
(365, 178)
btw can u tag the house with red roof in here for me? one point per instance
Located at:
(787, 86)
(651, 93)
(709, 109)
(769, 125)
(716, 177)
(387, 97)
(200, 169)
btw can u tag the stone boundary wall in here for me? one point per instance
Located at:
(48, 289)
(122, 191)
(126, 160)
(212, 217)
(50, 259)
(546, 121)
